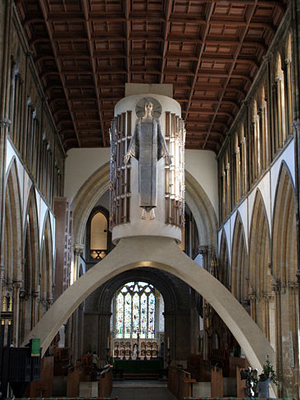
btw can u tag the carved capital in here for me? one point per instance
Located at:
(49, 301)
(20, 79)
(245, 302)
(78, 249)
(296, 125)
(253, 296)
(2, 269)
(36, 293)
(203, 249)
(293, 286)
(17, 284)
(276, 286)
(5, 122)
(288, 60)
(29, 53)
(268, 296)
(267, 58)
(23, 294)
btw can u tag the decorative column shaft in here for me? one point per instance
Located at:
(295, 22)
(104, 335)
(2, 269)
(78, 251)
(16, 311)
(296, 128)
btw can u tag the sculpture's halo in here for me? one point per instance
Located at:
(140, 107)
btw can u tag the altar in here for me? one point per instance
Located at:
(153, 368)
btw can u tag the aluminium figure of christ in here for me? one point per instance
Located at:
(148, 146)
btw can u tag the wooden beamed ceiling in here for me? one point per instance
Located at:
(86, 50)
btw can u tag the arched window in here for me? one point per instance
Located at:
(98, 235)
(136, 310)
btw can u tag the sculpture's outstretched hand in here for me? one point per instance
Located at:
(127, 158)
(168, 159)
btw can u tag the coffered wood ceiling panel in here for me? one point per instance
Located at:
(86, 50)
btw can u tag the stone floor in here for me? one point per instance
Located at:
(141, 390)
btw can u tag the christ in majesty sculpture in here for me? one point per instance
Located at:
(148, 146)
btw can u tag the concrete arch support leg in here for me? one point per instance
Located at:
(164, 254)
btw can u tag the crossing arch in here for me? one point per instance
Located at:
(162, 253)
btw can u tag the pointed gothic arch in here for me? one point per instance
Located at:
(12, 256)
(259, 265)
(202, 210)
(31, 277)
(138, 252)
(284, 252)
(170, 288)
(239, 261)
(12, 245)
(284, 262)
(86, 198)
(98, 184)
(46, 271)
(224, 263)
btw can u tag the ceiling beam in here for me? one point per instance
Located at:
(127, 43)
(93, 64)
(231, 71)
(43, 7)
(168, 9)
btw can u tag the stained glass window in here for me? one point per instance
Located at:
(135, 306)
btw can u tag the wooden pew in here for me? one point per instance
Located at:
(66, 398)
(180, 382)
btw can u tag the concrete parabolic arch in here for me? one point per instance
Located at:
(162, 253)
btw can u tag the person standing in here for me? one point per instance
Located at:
(95, 360)
(262, 387)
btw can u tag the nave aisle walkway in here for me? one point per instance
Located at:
(141, 390)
